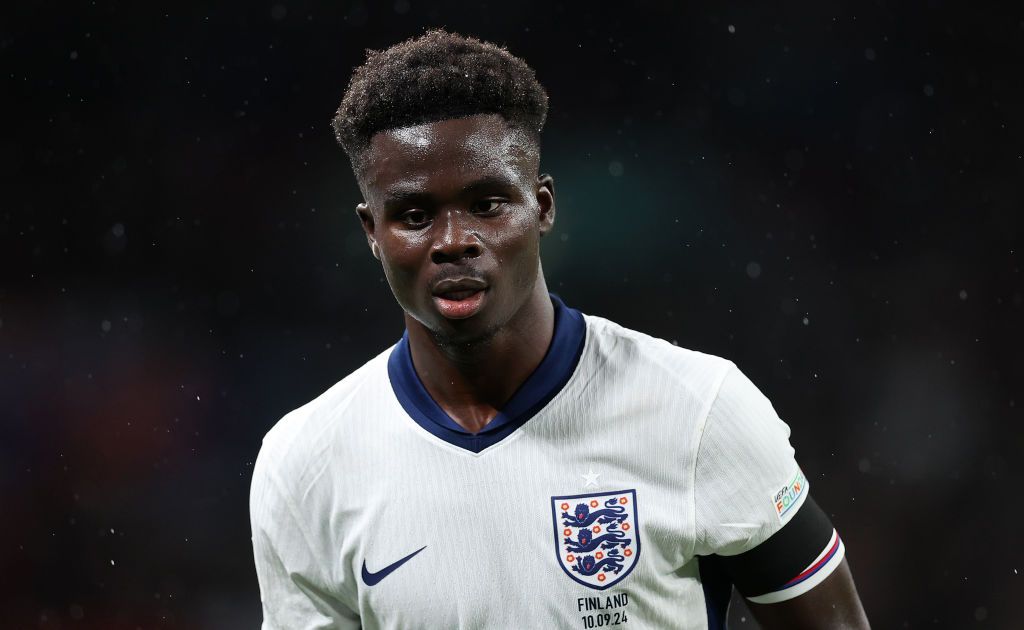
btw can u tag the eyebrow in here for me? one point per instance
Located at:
(401, 194)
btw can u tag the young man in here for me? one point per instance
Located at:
(512, 462)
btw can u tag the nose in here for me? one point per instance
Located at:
(455, 237)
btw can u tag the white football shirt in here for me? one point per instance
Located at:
(588, 502)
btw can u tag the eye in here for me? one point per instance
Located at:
(488, 206)
(414, 218)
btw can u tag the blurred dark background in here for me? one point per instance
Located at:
(830, 195)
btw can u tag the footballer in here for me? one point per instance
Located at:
(512, 462)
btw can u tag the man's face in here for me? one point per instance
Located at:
(456, 211)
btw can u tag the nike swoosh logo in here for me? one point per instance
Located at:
(372, 578)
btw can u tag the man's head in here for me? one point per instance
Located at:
(443, 134)
(437, 76)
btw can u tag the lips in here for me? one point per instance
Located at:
(458, 288)
(459, 298)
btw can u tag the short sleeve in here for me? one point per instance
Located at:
(751, 499)
(744, 463)
(292, 589)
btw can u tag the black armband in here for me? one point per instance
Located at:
(791, 562)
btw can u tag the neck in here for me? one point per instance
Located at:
(472, 382)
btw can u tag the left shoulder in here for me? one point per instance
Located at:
(650, 357)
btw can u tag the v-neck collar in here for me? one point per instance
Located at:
(537, 390)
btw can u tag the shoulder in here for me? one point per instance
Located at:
(652, 359)
(295, 445)
(742, 406)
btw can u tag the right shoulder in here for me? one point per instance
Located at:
(295, 444)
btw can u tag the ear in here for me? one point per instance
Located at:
(546, 202)
(366, 220)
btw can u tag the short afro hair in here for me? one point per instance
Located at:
(436, 76)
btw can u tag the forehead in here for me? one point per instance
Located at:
(447, 151)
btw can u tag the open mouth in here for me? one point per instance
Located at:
(459, 295)
(460, 304)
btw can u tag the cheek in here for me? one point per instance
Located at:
(401, 259)
(520, 256)
(404, 248)
(519, 237)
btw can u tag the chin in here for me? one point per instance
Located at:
(462, 332)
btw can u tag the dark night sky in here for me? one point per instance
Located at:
(831, 196)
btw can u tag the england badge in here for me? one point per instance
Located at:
(597, 540)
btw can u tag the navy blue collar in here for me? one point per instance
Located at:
(539, 388)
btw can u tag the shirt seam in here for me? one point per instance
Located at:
(705, 416)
